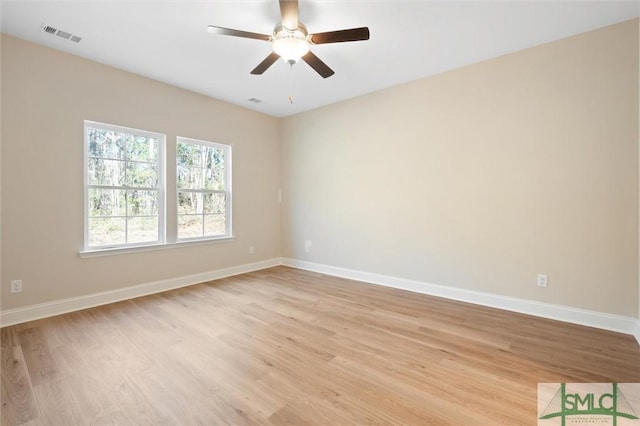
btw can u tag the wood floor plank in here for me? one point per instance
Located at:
(93, 380)
(284, 346)
(182, 399)
(36, 355)
(53, 398)
(18, 401)
(8, 337)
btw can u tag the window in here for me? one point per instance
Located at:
(125, 190)
(203, 171)
(124, 186)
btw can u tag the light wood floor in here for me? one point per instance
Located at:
(283, 346)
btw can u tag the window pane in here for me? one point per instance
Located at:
(189, 177)
(214, 203)
(107, 202)
(189, 226)
(182, 177)
(142, 229)
(104, 143)
(142, 175)
(214, 179)
(189, 155)
(140, 148)
(105, 172)
(214, 224)
(142, 203)
(214, 169)
(213, 157)
(106, 231)
(190, 202)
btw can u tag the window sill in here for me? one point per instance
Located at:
(154, 247)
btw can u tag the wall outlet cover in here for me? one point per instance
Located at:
(16, 286)
(542, 280)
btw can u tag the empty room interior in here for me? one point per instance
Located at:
(319, 213)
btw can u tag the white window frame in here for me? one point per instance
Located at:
(161, 186)
(227, 188)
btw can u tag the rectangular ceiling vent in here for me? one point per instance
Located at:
(65, 35)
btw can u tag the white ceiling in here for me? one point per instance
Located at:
(168, 40)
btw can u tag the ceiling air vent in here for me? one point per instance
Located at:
(255, 101)
(65, 35)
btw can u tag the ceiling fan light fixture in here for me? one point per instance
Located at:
(291, 41)
(290, 45)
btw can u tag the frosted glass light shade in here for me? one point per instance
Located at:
(291, 48)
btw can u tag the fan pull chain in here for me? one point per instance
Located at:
(291, 83)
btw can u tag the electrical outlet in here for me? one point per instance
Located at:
(542, 280)
(252, 249)
(307, 246)
(16, 286)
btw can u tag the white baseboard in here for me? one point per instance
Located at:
(63, 306)
(601, 320)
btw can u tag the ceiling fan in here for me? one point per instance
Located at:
(291, 41)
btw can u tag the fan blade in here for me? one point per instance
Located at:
(265, 64)
(319, 66)
(353, 34)
(289, 13)
(237, 33)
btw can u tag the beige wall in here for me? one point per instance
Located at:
(46, 95)
(1, 281)
(482, 177)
